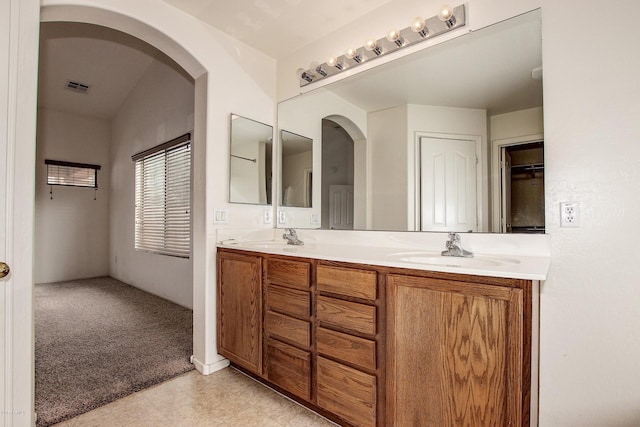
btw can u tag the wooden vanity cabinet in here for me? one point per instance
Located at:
(457, 351)
(347, 378)
(240, 309)
(372, 346)
(287, 325)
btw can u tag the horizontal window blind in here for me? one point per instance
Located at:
(163, 200)
(72, 174)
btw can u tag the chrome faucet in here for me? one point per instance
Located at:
(454, 247)
(292, 237)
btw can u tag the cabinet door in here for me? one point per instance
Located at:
(454, 353)
(240, 309)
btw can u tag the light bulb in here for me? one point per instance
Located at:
(372, 46)
(418, 26)
(353, 54)
(394, 37)
(314, 66)
(446, 15)
(302, 74)
(334, 62)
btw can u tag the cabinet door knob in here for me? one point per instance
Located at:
(4, 269)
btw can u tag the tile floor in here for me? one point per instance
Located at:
(226, 398)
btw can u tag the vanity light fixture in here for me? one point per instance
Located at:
(447, 19)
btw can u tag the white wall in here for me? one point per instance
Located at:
(590, 340)
(158, 109)
(72, 229)
(387, 133)
(517, 124)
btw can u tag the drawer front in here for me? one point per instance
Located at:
(289, 368)
(290, 329)
(293, 274)
(347, 392)
(347, 281)
(358, 351)
(349, 315)
(290, 301)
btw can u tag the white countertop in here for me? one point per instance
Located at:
(508, 256)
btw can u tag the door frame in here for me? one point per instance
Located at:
(496, 174)
(415, 213)
(20, 139)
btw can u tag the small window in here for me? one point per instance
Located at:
(163, 198)
(72, 174)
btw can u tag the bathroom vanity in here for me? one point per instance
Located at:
(384, 342)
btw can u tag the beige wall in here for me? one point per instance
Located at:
(159, 108)
(72, 229)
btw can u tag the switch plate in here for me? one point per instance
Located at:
(282, 217)
(220, 216)
(569, 214)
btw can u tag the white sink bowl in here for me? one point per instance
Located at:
(264, 245)
(435, 258)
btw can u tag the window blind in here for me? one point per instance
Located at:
(163, 199)
(71, 174)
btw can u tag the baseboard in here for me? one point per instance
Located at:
(206, 369)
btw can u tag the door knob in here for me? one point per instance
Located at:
(4, 269)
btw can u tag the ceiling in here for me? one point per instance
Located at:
(108, 61)
(277, 27)
(488, 69)
(111, 62)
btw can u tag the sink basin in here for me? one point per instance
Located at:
(264, 245)
(434, 258)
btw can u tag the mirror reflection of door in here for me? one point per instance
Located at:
(448, 190)
(522, 195)
(337, 177)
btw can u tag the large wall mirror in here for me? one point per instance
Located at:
(432, 141)
(250, 161)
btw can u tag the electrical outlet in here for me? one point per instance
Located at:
(315, 219)
(569, 214)
(266, 216)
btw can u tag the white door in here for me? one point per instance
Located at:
(19, 26)
(448, 190)
(341, 207)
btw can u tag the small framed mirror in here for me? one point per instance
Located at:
(250, 161)
(297, 170)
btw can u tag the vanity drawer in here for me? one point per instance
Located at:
(357, 351)
(289, 301)
(347, 392)
(347, 281)
(293, 274)
(290, 329)
(289, 368)
(352, 316)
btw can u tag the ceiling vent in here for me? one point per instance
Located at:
(77, 86)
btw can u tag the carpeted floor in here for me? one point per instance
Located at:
(98, 340)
